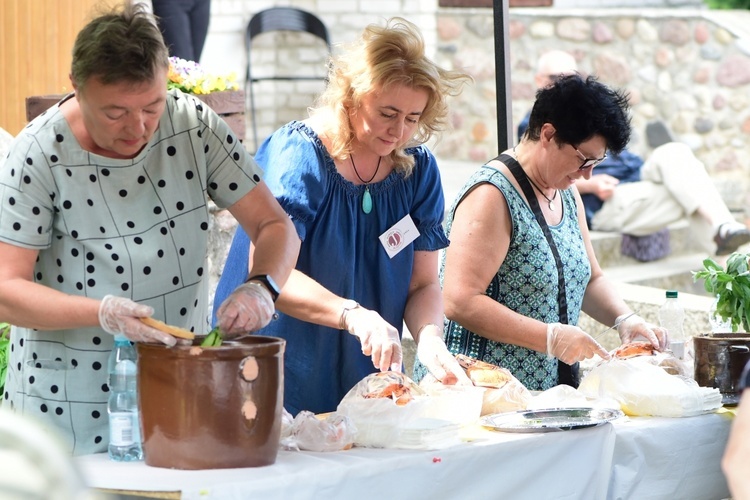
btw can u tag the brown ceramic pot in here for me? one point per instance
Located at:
(719, 360)
(211, 408)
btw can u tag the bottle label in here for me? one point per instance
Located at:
(678, 348)
(121, 429)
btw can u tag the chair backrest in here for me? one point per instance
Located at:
(38, 104)
(280, 19)
(283, 19)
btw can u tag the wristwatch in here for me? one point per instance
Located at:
(349, 304)
(268, 282)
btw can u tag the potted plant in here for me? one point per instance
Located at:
(730, 286)
(220, 91)
(721, 355)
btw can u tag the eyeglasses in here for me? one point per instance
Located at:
(588, 162)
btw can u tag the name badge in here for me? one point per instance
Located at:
(399, 236)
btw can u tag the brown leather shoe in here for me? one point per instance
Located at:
(731, 240)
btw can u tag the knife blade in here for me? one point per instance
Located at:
(617, 323)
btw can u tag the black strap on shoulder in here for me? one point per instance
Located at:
(567, 374)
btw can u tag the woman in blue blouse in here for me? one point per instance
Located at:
(365, 196)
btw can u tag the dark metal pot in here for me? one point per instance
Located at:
(719, 361)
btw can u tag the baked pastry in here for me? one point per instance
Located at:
(483, 374)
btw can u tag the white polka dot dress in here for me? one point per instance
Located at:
(136, 228)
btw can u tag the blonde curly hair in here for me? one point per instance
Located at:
(385, 56)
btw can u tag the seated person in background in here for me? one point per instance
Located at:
(501, 276)
(737, 454)
(354, 178)
(630, 196)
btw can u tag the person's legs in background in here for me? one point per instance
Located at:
(200, 15)
(639, 209)
(184, 24)
(675, 167)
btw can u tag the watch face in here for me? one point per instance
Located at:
(350, 304)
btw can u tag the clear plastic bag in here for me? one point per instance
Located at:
(503, 392)
(391, 411)
(512, 396)
(565, 396)
(643, 388)
(308, 432)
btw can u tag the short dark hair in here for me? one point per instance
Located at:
(124, 45)
(579, 109)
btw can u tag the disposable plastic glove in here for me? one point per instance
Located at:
(247, 309)
(121, 315)
(634, 327)
(379, 339)
(434, 355)
(569, 344)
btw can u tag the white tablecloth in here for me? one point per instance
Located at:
(631, 458)
(669, 458)
(497, 465)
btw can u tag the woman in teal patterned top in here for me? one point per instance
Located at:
(500, 275)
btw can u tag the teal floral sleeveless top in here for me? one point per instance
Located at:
(526, 282)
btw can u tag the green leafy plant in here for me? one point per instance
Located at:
(731, 286)
(728, 4)
(4, 352)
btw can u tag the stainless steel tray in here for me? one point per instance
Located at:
(553, 419)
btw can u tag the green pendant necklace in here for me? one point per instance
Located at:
(366, 198)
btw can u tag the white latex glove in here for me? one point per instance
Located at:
(569, 344)
(434, 355)
(379, 339)
(247, 309)
(120, 315)
(635, 326)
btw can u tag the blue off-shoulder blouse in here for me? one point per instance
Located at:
(341, 250)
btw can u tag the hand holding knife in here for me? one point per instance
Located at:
(617, 323)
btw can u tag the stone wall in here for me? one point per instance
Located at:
(297, 54)
(687, 66)
(690, 68)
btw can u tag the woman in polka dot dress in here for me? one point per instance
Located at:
(365, 196)
(104, 219)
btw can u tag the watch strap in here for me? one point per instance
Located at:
(267, 283)
(349, 304)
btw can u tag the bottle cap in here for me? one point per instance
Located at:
(671, 294)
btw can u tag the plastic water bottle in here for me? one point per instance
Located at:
(672, 317)
(122, 407)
